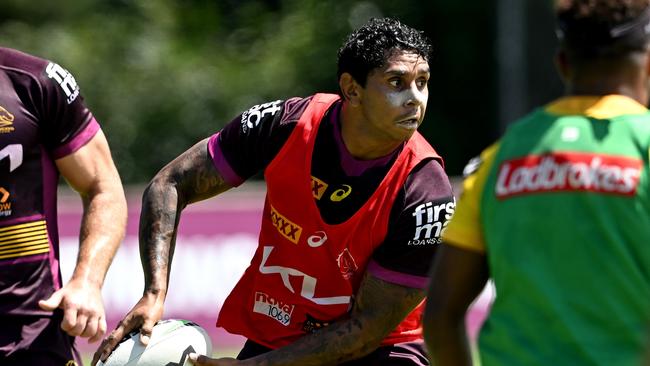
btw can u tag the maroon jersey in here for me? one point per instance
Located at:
(42, 118)
(341, 184)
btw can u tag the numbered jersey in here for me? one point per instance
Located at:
(42, 118)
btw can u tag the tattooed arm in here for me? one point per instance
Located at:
(379, 307)
(189, 178)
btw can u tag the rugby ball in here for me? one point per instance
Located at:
(170, 344)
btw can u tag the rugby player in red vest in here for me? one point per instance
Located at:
(356, 200)
(46, 131)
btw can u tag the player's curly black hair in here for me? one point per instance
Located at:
(371, 45)
(587, 27)
(607, 11)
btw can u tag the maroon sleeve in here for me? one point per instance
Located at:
(52, 95)
(67, 123)
(419, 214)
(246, 145)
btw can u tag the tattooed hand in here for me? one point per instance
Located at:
(189, 178)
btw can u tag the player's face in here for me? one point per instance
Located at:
(395, 97)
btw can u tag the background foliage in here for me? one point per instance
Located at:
(162, 75)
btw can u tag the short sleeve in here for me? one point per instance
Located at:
(66, 121)
(418, 217)
(248, 143)
(465, 229)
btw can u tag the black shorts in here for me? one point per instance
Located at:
(401, 354)
(36, 341)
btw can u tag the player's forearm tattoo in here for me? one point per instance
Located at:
(379, 308)
(189, 178)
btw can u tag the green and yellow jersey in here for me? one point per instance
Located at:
(561, 208)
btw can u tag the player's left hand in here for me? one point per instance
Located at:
(200, 360)
(83, 309)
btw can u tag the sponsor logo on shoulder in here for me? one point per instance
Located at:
(252, 117)
(6, 120)
(65, 80)
(568, 171)
(430, 221)
(286, 227)
(273, 308)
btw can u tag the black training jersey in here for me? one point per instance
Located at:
(42, 118)
(341, 184)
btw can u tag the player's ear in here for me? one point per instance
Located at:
(350, 89)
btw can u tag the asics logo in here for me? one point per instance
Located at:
(341, 193)
(319, 187)
(319, 238)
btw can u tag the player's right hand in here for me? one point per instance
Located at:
(83, 309)
(143, 316)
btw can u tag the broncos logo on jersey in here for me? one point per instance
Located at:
(6, 120)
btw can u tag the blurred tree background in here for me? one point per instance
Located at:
(162, 75)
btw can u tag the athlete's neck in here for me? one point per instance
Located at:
(627, 76)
(600, 89)
(360, 144)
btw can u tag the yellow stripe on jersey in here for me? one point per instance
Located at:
(20, 226)
(600, 107)
(27, 253)
(19, 251)
(465, 229)
(20, 231)
(9, 239)
(25, 244)
(24, 240)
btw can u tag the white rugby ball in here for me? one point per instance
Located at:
(170, 344)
